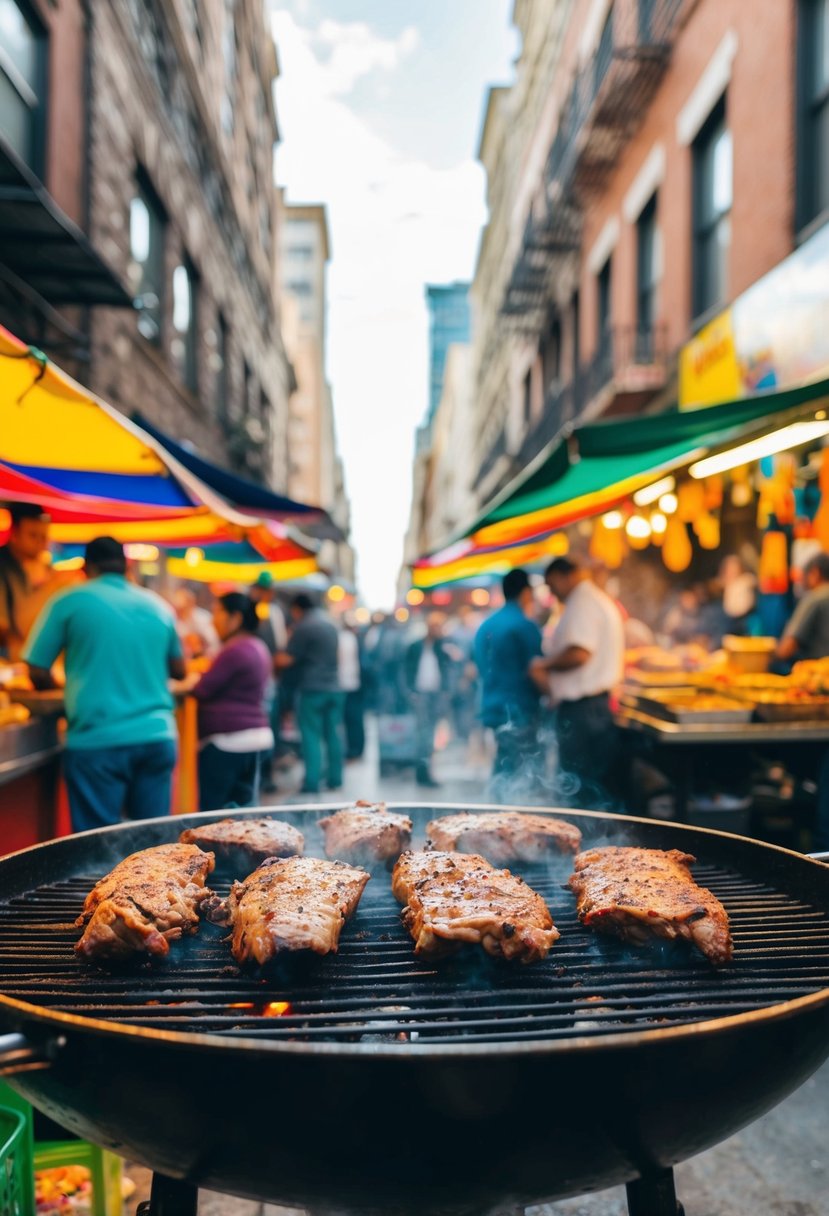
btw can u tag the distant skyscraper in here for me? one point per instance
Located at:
(448, 322)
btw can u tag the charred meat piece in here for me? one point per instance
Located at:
(241, 844)
(366, 834)
(503, 836)
(639, 894)
(453, 898)
(291, 904)
(150, 899)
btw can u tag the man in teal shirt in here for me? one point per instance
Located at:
(120, 647)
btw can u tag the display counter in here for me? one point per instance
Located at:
(29, 769)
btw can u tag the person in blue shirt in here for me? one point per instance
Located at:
(505, 646)
(120, 646)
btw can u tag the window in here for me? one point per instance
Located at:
(575, 321)
(300, 287)
(147, 225)
(185, 323)
(22, 83)
(604, 52)
(712, 158)
(646, 277)
(603, 285)
(301, 253)
(528, 395)
(551, 356)
(222, 354)
(813, 111)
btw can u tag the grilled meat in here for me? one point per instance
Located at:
(291, 904)
(150, 899)
(241, 844)
(638, 894)
(452, 898)
(503, 836)
(366, 834)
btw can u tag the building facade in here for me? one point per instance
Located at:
(315, 470)
(653, 159)
(159, 126)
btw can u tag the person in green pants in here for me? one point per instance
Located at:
(313, 654)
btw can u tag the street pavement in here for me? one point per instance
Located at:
(778, 1166)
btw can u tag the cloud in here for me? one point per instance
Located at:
(396, 224)
(353, 50)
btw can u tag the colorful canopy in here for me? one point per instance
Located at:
(92, 469)
(244, 494)
(600, 465)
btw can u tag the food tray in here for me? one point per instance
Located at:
(681, 709)
(796, 711)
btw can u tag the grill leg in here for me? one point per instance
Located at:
(654, 1195)
(169, 1197)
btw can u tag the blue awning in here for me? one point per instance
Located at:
(244, 494)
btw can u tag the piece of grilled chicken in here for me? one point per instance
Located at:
(639, 894)
(454, 898)
(242, 844)
(366, 834)
(290, 904)
(150, 899)
(503, 836)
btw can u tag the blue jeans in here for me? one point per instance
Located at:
(228, 778)
(105, 783)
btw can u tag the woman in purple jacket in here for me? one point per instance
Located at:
(234, 732)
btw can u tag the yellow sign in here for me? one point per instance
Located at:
(708, 369)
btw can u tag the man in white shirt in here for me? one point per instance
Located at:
(584, 666)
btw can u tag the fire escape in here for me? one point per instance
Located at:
(607, 102)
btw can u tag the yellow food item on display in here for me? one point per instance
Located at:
(690, 501)
(707, 529)
(14, 715)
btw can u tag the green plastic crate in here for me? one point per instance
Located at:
(15, 1165)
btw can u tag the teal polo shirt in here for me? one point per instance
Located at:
(117, 640)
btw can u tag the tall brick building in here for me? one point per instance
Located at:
(652, 161)
(152, 127)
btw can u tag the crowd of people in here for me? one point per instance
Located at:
(538, 674)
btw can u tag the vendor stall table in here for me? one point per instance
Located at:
(29, 760)
(689, 738)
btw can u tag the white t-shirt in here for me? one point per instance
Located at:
(428, 671)
(348, 661)
(592, 621)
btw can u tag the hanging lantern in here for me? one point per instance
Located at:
(658, 525)
(690, 501)
(676, 547)
(713, 492)
(774, 564)
(740, 487)
(707, 529)
(638, 532)
(821, 521)
(607, 545)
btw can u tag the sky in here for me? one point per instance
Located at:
(380, 104)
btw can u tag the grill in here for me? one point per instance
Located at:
(375, 990)
(372, 1081)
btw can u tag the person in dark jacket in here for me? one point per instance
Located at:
(426, 667)
(234, 731)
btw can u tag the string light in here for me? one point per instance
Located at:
(649, 494)
(613, 520)
(480, 597)
(415, 597)
(668, 504)
(193, 556)
(336, 593)
(793, 436)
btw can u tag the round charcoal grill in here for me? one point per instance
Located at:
(373, 1081)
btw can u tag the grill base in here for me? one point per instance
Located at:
(653, 1195)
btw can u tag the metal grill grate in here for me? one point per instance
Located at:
(376, 990)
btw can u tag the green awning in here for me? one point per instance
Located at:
(599, 454)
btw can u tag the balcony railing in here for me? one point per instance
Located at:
(629, 362)
(607, 102)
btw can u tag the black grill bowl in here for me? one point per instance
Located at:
(331, 1110)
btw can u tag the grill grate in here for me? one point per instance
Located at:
(375, 990)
